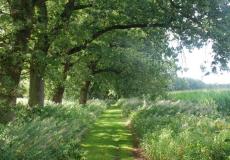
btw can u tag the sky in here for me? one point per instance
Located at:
(193, 61)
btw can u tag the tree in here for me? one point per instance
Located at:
(37, 61)
(65, 29)
(45, 39)
(16, 26)
(188, 21)
(187, 84)
(130, 65)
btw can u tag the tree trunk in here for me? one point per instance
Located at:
(58, 94)
(84, 92)
(38, 63)
(11, 64)
(60, 88)
(36, 89)
(10, 97)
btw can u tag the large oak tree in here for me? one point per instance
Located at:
(37, 32)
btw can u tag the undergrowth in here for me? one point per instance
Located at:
(52, 132)
(180, 130)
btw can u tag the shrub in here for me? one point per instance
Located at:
(182, 130)
(177, 132)
(130, 105)
(51, 132)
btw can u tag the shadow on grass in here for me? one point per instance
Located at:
(109, 139)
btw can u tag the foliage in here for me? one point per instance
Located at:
(51, 132)
(128, 65)
(187, 84)
(221, 98)
(130, 105)
(60, 45)
(191, 84)
(40, 37)
(194, 139)
(181, 130)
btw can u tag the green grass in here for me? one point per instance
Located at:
(53, 132)
(110, 138)
(184, 129)
(220, 98)
(200, 95)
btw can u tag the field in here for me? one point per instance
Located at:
(218, 98)
(89, 80)
(188, 125)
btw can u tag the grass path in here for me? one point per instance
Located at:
(109, 139)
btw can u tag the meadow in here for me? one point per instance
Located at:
(218, 97)
(184, 125)
(188, 125)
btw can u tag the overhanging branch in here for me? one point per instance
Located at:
(69, 8)
(117, 27)
(82, 6)
(107, 70)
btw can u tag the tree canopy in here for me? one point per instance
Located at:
(127, 41)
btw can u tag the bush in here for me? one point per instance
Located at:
(182, 130)
(51, 132)
(130, 105)
(186, 138)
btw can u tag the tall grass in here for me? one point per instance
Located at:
(51, 132)
(220, 97)
(192, 127)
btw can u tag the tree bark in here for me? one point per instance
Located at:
(58, 94)
(38, 63)
(84, 92)
(10, 98)
(36, 89)
(60, 88)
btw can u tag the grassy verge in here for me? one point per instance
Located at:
(180, 130)
(52, 132)
(109, 139)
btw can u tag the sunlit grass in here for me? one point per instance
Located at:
(109, 139)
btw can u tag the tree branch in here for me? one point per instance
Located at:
(117, 27)
(107, 70)
(82, 6)
(69, 8)
(94, 70)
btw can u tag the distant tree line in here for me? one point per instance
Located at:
(189, 84)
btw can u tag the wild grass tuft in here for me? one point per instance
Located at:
(195, 126)
(50, 132)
